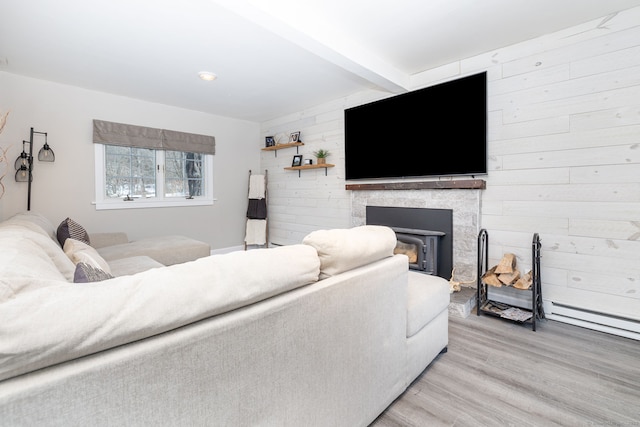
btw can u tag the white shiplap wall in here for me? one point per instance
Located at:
(311, 201)
(564, 161)
(564, 150)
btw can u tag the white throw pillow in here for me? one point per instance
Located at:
(78, 251)
(25, 265)
(36, 219)
(20, 230)
(345, 249)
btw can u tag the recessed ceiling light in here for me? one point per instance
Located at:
(206, 75)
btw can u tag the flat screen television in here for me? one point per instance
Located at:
(440, 130)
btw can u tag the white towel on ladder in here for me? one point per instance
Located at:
(256, 233)
(256, 187)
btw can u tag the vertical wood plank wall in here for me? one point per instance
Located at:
(564, 161)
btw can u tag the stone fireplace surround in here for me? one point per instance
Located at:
(465, 204)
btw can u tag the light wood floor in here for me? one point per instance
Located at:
(498, 373)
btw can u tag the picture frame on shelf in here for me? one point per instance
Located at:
(294, 136)
(297, 160)
(269, 141)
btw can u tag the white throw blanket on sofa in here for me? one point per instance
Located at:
(105, 314)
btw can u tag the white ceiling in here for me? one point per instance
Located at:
(272, 57)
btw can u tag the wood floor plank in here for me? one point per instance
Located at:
(554, 379)
(499, 373)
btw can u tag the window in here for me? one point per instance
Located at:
(141, 177)
(183, 174)
(129, 172)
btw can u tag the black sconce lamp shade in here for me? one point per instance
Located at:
(23, 174)
(23, 158)
(46, 154)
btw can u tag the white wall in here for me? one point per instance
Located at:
(66, 187)
(564, 159)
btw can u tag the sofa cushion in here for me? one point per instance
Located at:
(68, 228)
(132, 265)
(78, 251)
(167, 250)
(345, 249)
(86, 273)
(100, 240)
(427, 296)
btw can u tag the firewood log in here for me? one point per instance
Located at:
(491, 278)
(525, 281)
(507, 264)
(509, 278)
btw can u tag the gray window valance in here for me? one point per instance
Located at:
(111, 133)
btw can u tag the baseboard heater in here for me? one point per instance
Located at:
(603, 322)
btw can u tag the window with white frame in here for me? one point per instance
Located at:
(140, 167)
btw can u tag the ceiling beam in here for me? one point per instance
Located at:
(340, 51)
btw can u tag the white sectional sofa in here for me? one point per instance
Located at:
(323, 333)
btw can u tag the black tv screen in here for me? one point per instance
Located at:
(436, 131)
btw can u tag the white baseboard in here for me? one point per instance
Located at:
(236, 248)
(602, 322)
(226, 250)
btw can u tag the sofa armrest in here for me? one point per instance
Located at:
(100, 240)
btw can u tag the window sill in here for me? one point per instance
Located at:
(145, 204)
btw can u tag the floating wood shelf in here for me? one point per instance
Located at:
(466, 184)
(324, 166)
(277, 147)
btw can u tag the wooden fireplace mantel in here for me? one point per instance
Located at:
(464, 184)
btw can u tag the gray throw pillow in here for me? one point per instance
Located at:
(86, 273)
(68, 228)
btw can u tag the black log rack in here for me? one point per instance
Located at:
(494, 308)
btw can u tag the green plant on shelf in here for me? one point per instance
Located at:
(322, 153)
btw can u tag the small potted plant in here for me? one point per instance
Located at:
(321, 155)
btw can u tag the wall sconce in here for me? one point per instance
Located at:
(24, 162)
